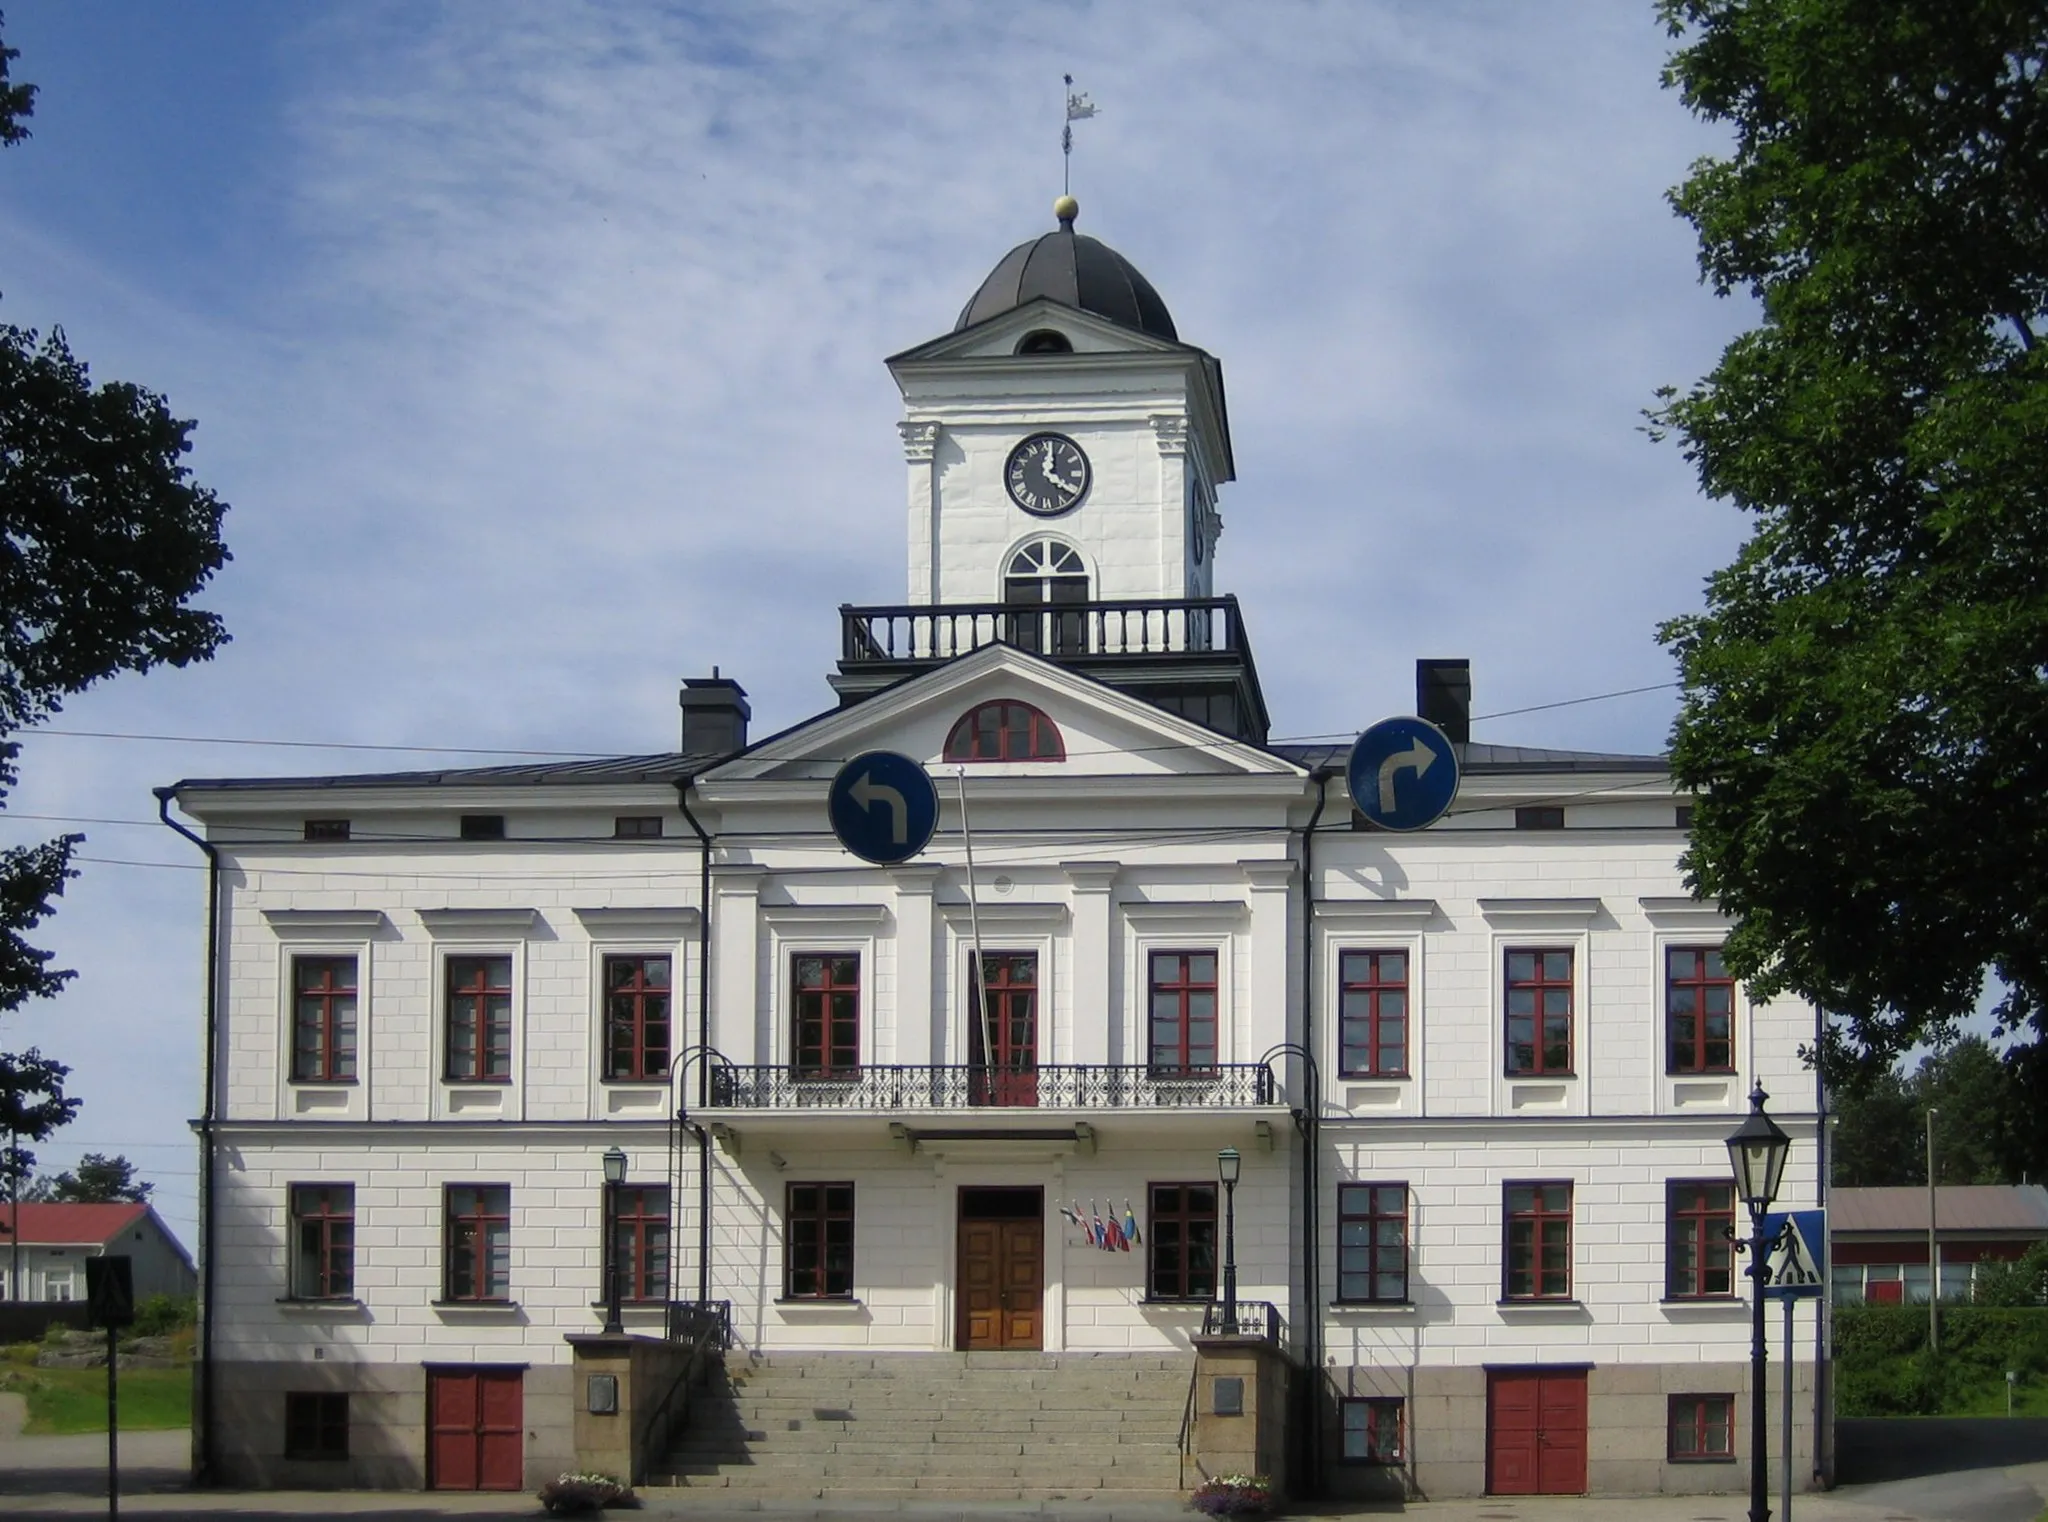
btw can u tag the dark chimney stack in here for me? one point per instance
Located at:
(1443, 695)
(715, 714)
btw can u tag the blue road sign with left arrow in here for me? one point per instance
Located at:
(1403, 774)
(883, 807)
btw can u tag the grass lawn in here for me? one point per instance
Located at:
(75, 1400)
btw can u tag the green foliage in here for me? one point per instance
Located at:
(1884, 1368)
(17, 102)
(1986, 1132)
(1864, 694)
(2022, 1282)
(99, 1180)
(157, 1315)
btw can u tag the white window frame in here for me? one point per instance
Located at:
(1199, 926)
(479, 933)
(1372, 925)
(829, 929)
(1541, 924)
(325, 933)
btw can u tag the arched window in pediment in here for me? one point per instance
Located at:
(1005, 730)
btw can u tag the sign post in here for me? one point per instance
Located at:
(1798, 1271)
(110, 1296)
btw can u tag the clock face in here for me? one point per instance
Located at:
(1047, 474)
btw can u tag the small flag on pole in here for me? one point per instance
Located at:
(1131, 1224)
(1079, 109)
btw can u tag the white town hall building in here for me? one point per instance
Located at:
(1477, 1077)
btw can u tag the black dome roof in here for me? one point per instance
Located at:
(1074, 270)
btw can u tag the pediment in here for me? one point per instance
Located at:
(998, 337)
(1105, 732)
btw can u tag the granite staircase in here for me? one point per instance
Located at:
(936, 1426)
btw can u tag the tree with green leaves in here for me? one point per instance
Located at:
(104, 541)
(1866, 691)
(98, 1180)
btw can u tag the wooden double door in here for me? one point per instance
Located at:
(1536, 1432)
(475, 1419)
(1000, 1274)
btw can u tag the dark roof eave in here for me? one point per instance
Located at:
(599, 772)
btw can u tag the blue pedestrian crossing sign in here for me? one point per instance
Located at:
(883, 807)
(1796, 1253)
(1403, 774)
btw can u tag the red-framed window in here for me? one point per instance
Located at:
(1538, 1256)
(1181, 1256)
(1699, 1258)
(1005, 730)
(1538, 985)
(1008, 1013)
(1372, 1243)
(639, 1235)
(1699, 1011)
(826, 1040)
(323, 1241)
(323, 1019)
(1702, 1429)
(477, 1242)
(818, 1250)
(1372, 1429)
(315, 1424)
(1183, 1011)
(1372, 1014)
(637, 1004)
(480, 1019)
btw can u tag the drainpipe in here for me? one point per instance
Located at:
(1823, 1315)
(703, 1040)
(205, 1465)
(1311, 1173)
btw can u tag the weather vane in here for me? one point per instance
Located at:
(1079, 109)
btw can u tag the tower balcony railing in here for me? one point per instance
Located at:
(1068, 1086)
(1137, 626)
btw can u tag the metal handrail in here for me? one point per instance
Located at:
(1255, 1318)
(1063, 1086)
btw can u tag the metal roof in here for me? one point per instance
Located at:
(1482, 759)
(1074, 270)
(2021, 1209)
(668, 767)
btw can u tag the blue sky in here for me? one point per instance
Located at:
(537, 347)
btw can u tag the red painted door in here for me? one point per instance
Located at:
(474, 1420)
(1536, 1432)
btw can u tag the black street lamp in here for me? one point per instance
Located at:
(614, 1175)
(1758, 1150)
(1228, 1164)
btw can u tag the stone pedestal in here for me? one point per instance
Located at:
(645, 1372)
(1241, 1408)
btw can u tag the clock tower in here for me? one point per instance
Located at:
(1064, 449)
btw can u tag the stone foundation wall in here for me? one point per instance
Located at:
(1627, 1410)
(387, 1412)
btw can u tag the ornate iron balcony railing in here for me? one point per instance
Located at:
(1063, 1087)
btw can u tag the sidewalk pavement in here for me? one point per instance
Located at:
(43, 1479)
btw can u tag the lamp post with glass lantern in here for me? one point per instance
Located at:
(1228, 1165)
(614, 1175)
(1758, 1150)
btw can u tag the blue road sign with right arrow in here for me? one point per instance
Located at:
(1403, 774)
(883, 807)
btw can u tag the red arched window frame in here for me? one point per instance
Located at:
(1005, 730)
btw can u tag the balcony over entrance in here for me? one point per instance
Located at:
(1054, 1087)
(1189, 656)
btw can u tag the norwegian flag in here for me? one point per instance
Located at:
(1118, 1242)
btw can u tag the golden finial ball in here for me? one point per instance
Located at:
(1066, 208)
